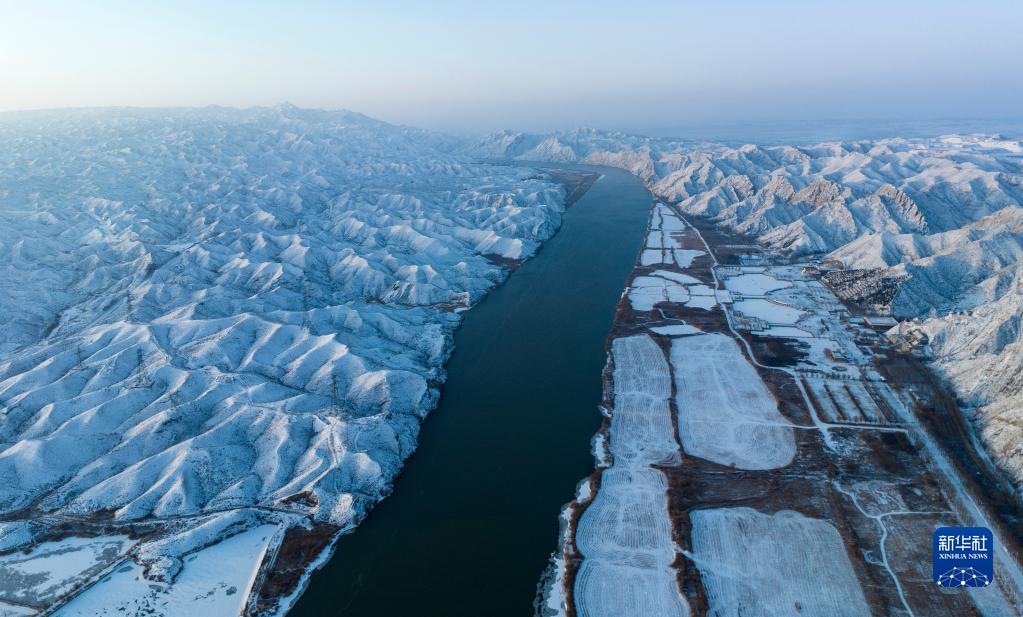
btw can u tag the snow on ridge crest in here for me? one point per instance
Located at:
(219, 308)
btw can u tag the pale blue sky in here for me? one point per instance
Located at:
(464, 66)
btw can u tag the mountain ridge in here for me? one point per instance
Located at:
(928, 228)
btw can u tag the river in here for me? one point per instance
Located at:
(473, 517)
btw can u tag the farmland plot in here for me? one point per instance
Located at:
(51, 569)
(661, 246)
(770, 565)
(641, 433)
(725, 412)
(213, 581)
(625, 534)
(755, 284)
(648, 291)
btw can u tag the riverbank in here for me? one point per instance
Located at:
(472, 518)
(847, 467)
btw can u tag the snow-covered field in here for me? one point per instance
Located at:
(15, 610)
(625, 537)
(641, 433)
(675, 329)
(773, 565)
(771, 312)
(725, 412)
(661, 245)
(51, 569)
(624, 534)
(211, 310)
(754, 284)
(214, 581)
(647, 291)
(784, 332)
(672, 287)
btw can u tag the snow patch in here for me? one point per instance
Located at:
(648, 291)
(771, 312)
(774, 565)
(725, 412)
(51, 569)
(624, 534)
(754, 284)
(676, 330)
(214, 581)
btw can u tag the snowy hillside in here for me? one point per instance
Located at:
(210, 310)
(931, 229)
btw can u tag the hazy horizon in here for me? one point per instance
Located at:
(467, 67)
(792, 132)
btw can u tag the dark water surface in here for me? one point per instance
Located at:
(474, 515)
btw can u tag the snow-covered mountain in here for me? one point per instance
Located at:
(931, 229)
(209, 310)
